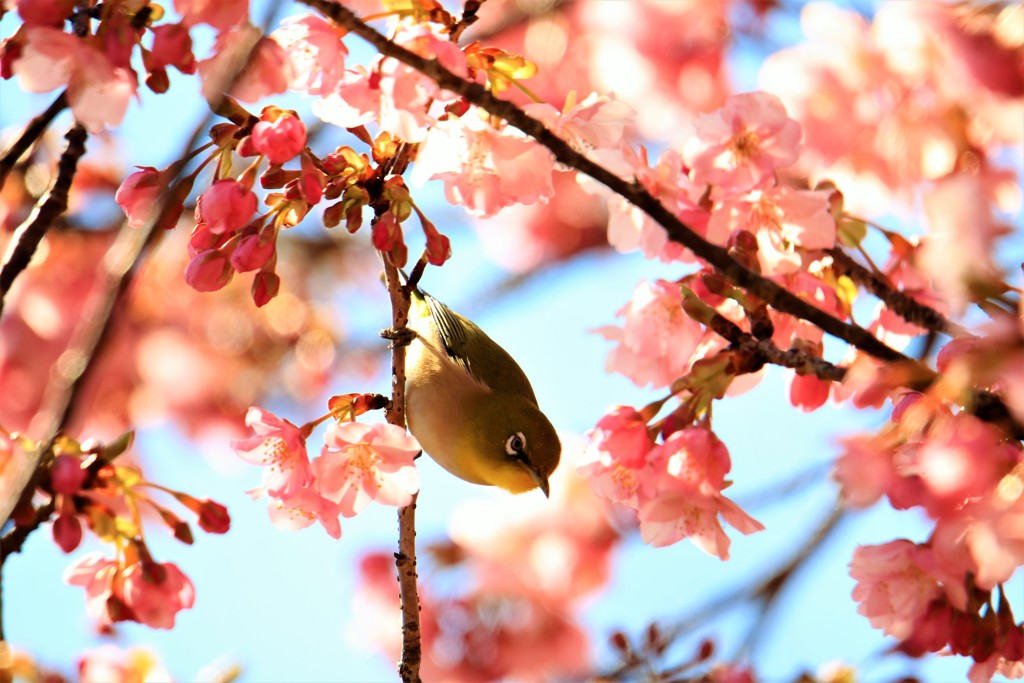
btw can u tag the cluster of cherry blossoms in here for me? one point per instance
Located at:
(83, 486)
(359, 463)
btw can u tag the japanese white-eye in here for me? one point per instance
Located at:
(471, 406)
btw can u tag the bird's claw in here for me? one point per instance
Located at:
(402, 337)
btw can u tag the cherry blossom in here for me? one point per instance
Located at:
(658, 340)
(280, 447)
(738, 147)
(265, 72)
(630, 228)
(892, 588)
(596, 122)
(315, 50)
(98, 91)
(615, 461)
(688, 500)
(484, 169)
(219, 14)
(395, 96)
(361, 463)
(155, 594)
(172, 46)
(110, 664)
(959, 260)
(786, 223)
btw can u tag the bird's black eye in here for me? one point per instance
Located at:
(515, 445)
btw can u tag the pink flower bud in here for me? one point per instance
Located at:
(214, 518)
(67, 475)
(202, 239)
(67, 532)
(226, 206)
(253, 251)
(265, 287)
(387, 232)
(808, 392)
(279, 139)
(208, 271)
(439, 249)
(138, 195)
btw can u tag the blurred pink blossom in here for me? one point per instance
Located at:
(316, 51)
(738, 147)
(892, 588)
(658, 340)
(484, 169)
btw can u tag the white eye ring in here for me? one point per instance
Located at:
(516, 444)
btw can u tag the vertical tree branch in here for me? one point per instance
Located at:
(405, 558)
(30, 233)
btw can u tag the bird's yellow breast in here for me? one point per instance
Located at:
(437, 392)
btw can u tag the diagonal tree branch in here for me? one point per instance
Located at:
(33, 131)
(899, 302)
(772, 293)
(30, 233)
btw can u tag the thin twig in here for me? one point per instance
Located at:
(12, 542)
(33, 131)
(761, 351)
(30, 233)
(763, 592)
(405, 558)
(898, 302)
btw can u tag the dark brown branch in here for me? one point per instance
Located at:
(14, 539)
(405, 558)
(898, 302)
(33, 131)
(761, 351)
(468, 18)
(30, 233)
(767, 290)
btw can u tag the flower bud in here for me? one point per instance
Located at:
(67, 475)
(208, 271)
(67, 532)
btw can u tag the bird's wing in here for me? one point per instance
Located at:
(485, 361)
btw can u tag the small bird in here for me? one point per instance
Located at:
(470, 405)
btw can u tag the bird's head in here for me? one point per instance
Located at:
(518, 445)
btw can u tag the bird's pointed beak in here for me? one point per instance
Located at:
(541, 481)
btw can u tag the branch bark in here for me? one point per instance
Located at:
(33, 131)
(405, 558)
(899, 302)
(29, 234)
